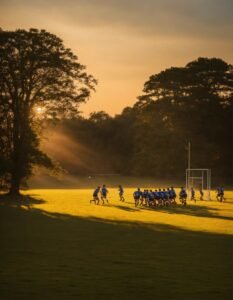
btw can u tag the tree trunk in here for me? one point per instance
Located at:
(16, 166)
(15, 185)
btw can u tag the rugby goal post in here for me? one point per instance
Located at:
(199, 179)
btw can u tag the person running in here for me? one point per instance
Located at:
(173, 195)
(222, 194)
(121, 193)
(151, 198)
(166, 197)
(143, 197)
(96, 196)
(193, 194)
(183, 196)
(160, 196)
(201, 194)
(156, 197)
(104, 193)
(218, 195)
(137, 196)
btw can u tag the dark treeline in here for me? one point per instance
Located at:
(178, 105)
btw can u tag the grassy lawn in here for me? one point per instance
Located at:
(57, 245)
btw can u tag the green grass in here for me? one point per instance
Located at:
(56, 245)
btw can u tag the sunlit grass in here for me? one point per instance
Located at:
(210, 216)
(56, 245)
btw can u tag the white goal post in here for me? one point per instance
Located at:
(199, 179)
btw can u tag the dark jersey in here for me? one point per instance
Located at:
(104, 191)
(121, 191)
(183, 193)
(96, 191)
(137, 194)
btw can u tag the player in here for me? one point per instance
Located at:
(183, 196)
(201, 194)
(160, 197)
(218, 196)
(173, 195)
(137, 196)
(151, 198)
(222, 194)
(193, 194)
(146, 198)
(121, 193)
(104, 193)
(143, 198)
(96, 196)
(166, 198)
(156, 197)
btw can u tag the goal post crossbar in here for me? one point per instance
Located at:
(204, 178)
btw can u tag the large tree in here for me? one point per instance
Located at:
(191, 103)
(39, 79)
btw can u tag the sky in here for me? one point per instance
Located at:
(123, 42)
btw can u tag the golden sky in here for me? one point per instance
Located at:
(123, 42)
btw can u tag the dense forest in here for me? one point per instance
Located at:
(179, 105)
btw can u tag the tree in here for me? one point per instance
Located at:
(192, 103)
(40, 80)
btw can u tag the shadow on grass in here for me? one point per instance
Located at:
(190, 210)
(59, 256)
(20, 200)
(125, 208)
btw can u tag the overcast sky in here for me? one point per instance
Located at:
(123, 42)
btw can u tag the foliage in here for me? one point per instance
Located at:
(37, 74)
(178, 105)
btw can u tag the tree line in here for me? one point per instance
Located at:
(178, 105)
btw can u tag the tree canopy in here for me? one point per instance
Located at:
(177, 106)
(38, 73)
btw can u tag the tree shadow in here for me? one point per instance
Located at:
(51, 255)
(125, 208)
(191, 210)
(21, 200)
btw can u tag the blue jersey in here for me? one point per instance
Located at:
(104, 191)
(155, 195)
(160, 194)
(151, 196)
(165, 194)
(183, 193)
(146, 195)
(137, 194)
(173, 193)
(121, 191)
(96, 191)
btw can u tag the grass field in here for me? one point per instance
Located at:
(56, 245)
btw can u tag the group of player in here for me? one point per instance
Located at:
(160, 197)
(157, 198)
(103, 192)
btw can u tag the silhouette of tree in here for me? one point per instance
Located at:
(40, 80)
(178, 105)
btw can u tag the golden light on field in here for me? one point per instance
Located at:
(205, 216)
